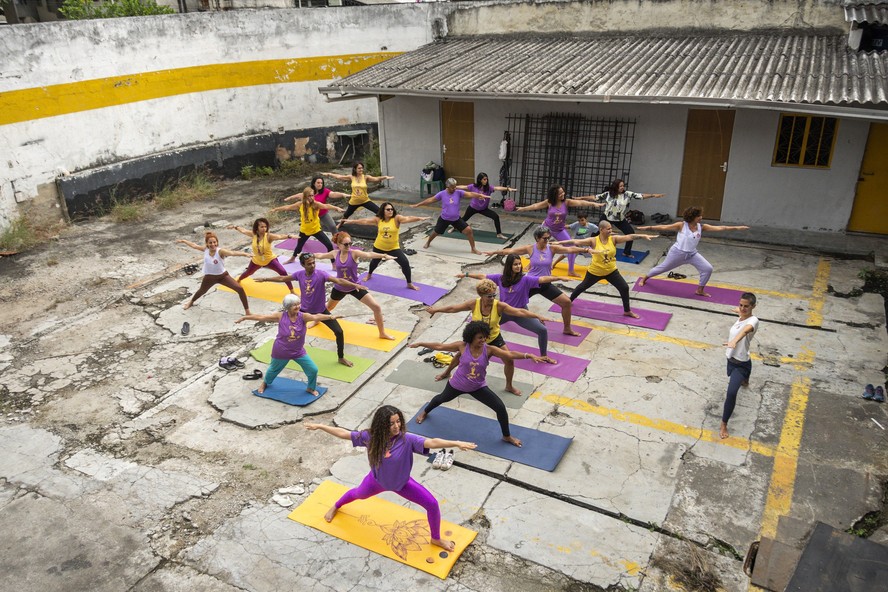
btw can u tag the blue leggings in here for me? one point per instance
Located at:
(738, 373)
(412, 491)
(307, 364)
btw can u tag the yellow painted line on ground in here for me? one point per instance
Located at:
(60, 99)
(658, 424)
(818, 294)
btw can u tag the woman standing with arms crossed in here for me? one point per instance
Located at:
(684, 249)
(616, 208)
(481, 205)
(556, 204)
(214, 269)
(263, 255)
(322, 194)
(309, 221)
(359, 197)
(390, 451)
(345, 262)
(739, 362)
(388, 238)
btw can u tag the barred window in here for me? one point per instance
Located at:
(805, 141)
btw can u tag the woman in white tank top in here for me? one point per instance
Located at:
(214, 269)
(684, 251)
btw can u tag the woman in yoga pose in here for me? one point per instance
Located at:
(481, 205)
(309, 221)
(359, 197)
(616, 209)
(263, 255)
(322, 194)
(214, 269)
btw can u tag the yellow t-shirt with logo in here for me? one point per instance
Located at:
(359, 192)
(493, 320)
(605, 263)
(262, 253)
(309, 222)
(387, 235)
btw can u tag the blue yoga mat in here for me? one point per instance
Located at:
(638, 256)
(291, 392)
(540, 449)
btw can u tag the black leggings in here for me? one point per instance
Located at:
(613, 278)
(483, 395)
(303, 238)
(738, 373)
(352, 209)
(399, 256)
(625, 228)
(334, 326)
(531, 324)
(487, 212)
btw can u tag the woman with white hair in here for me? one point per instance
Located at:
(450, 215)
(290, 341)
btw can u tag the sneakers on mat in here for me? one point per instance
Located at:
(438, 459)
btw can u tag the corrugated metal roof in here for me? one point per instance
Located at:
(866, 12)
(761, 67)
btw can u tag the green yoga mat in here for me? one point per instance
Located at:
(421, 375)
(327, 361)
(481, 236)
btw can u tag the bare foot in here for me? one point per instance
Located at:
(512, 440)
(700, 292)
(371, 321)
(570, 331)
(513, 390)
(628, 256)
(345, 362)
(442, 376)
(723, 430)
(446, 545)
(500, 235)
(421, 417)
(368, 277)
(290, 260)
(744, 383)
(189, 304)
(426, 246)
(312, 324)
(549, 360)
(384, 336)
(262, 388)
(642, 281)
(313, 394)
(630, 314)
(412, 287)
(247, 311)
(330, 513)
(476, 252)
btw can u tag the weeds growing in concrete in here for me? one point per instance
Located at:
(287, 169)
(372, 160)
(193, 187)
(128, 211)
(19, 236)
(691, 570)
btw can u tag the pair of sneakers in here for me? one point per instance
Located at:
(443, 460)
(230, 363)
(877, 394)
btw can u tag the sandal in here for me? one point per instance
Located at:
(424, 351)
(256, 374)
(869, 392)
(676, 276)
(186, 328)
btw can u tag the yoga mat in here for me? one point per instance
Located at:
(567, 368)
(421, 375)
(540, 450)
(360, 334)
(311, 246)
(603, 311)
(397, 286)
(638, 256)
(327, 361)
(291, 268)
(555, 331)
(291, 392)
(384, 528)
(681, 289)
(271, 291)
(454, 248)
(483, 236)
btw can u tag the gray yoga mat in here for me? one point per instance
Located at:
(421, 375)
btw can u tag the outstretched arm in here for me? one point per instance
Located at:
(347, 284)
(244, 231)
(274, 278)
(525, 250)
(365, 255)
(277, 237)
(505, 354)
(337, 176)
(378, 179)
(431, 443)
(262, 318)
(408, 219)
(288, 208)
(498, 188)
(519, 312)
(537, 206)
(332, 430)
(563, 249)
(188, 243)
(451, 347)
(337, 195)
(227, 253)
(711, 228)
(743, 333)
(474, 276)
(548, 279)
(319, 318)
(461, 307)
(361, 221)
(426, 201)
(674, 227)
(583, 202)
(625, 238)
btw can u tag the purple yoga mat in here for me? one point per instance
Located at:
(603, 311)
(686, 290)
(555, 332)
(567, 368)
(325, 264)
(426, 294)
(312, 246)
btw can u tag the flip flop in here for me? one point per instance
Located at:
(410, 251)
(676, 276)
(186, 328)
(256, 374)
(424, 351)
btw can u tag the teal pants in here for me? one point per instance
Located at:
(307, 364)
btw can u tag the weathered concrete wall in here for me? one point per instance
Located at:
(566, 16)
(79, 95)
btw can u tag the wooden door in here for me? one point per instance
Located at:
(458, 140)
(870, 211)
(705, 165)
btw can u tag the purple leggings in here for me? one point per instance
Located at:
(275, 265)
(676, 257)
(564, 235)
(412, 491)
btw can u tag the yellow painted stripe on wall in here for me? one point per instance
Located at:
(61, 99)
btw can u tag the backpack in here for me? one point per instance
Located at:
(635, 216)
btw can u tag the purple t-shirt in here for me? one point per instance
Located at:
(471, 373)
(314, 298)
(555, 217)
(290, 341)
(481, 203)
(540, 262)
(346, 271)
(450, 204)
(517, 295)
(394, 472)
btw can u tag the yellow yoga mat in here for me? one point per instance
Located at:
(560, 270)
(272, 291)
(385, 528)
(361, 334)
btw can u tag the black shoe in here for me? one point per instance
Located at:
(186, 328)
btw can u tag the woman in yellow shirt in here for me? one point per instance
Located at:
(359, 197)
(309, 221)
(604, 263)
(388, 240)
(263, 255)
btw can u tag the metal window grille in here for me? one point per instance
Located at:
(582, 154)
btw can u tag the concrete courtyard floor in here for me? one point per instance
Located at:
(132, 461)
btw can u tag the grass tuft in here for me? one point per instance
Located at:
(19, 236)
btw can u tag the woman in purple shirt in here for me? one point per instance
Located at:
(390, 450)
(290, 341)
(470, 376)
(450, 199)
(481, 205)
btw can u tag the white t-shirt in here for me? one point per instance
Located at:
(741, 352)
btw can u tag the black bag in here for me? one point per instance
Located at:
(635, 216)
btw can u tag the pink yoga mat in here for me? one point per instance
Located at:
(398, 287)
(555, 332)
(567, 368)
(312, 246)
(603, 311)
(686, 290)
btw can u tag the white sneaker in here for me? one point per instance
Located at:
(438, 460)
(448, 460)
(282, 500)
